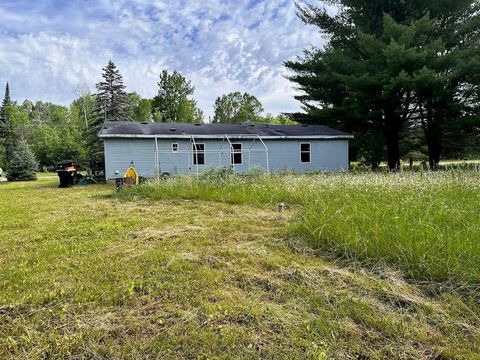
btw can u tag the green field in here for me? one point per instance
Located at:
(425, 224)
(360, 266)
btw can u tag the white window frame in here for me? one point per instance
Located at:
(173, 148)
(196, 152)
(304, 152)
(233, 152)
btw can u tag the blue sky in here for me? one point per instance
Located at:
(48, 47)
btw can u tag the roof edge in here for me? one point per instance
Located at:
(238, 136)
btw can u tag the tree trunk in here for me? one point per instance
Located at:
(432, 134)
(434, 144)
(392, 138)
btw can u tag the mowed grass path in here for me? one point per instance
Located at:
(85, 275)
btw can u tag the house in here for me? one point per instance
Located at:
(157, 148)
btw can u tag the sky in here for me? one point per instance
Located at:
(49, 47)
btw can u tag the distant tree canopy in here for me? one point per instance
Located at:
(172, 102)
(237, 108)
(278, 120)
(53, 132)
(393, 70)
(139, 109)
(199, 116)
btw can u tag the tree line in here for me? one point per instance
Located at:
(402, 75)
(52, 132)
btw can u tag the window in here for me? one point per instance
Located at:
(305, 152)
(236, 154)
(198, 154)
(174, 147)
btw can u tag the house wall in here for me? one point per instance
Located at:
(119, 153)
(326, 155)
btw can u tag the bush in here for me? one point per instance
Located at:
(23, 165)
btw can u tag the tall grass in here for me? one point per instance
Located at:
(425, 224)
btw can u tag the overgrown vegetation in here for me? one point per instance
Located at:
(425, 224)
(84, 275)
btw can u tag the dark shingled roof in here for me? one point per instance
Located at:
(124, 129)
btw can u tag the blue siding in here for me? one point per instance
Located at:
(217, 154)
(326, 155)
(119, 153)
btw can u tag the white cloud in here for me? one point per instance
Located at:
(222, 46)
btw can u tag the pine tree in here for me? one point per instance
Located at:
(112, 100)
(6, 102)
(4, 120)
(367, 80)
(7, 135)
(111, 104)
(447, 87)
(23, 165)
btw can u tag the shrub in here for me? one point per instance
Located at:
(23, 165)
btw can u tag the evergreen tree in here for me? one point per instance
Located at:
(112, 100)
(368, 79)
(7, 135)
(111, 104)
(6, 102)
(447, 86)
(5, 122)
(23, 165)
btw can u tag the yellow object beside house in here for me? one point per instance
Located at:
(131, 176)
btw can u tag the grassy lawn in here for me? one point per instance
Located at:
(425, 224)
(163, 272)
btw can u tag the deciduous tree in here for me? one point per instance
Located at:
(237, 108)
(172, 101)
(199, 116)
